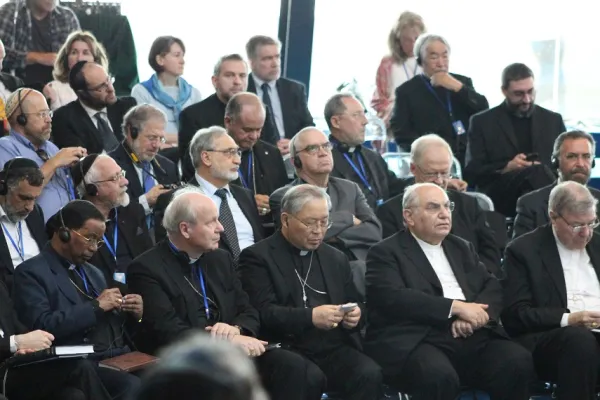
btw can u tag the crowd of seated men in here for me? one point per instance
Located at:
(345, 280)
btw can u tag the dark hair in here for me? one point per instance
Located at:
(335, 106)
(19, 169)
(74, 215)
(76, 78)
(515, 72)
(575, 134)
(160, 47)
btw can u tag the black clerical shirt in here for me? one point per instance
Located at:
(191, 275)
(122, 252)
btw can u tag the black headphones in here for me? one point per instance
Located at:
(297, 162)
(4, 174)
(342, 147)
(555, 162)
(133, 131)
(64, 234)
(21, 118)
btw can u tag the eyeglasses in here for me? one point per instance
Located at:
(115, 178)
(42, 114)
(316, 225)
(156, 138)
(103, 86)
(434, 175)
(356, 114)
(577, 228)
(91, 242)
(436, 207)
(313, 149)
(43, 154)
(229, 153)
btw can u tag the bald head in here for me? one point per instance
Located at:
(241, 102)
(306, 135)
(36, 123)
(427, 212)
(244, 119)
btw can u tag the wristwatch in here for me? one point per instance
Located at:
(239, 328)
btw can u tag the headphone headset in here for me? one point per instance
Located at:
(4, 174)
(64, 234)
(21, 118)
(133, 131)
(297, 162)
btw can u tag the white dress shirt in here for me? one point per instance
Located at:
(581, 281)
(242, 225)
(275, 102)
(31, 248)
(92, 113)
(438, 260)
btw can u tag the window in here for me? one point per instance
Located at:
(553, 39)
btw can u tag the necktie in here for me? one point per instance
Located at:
(148, 182)
(226, 219)
(266, 98)
(108, 137)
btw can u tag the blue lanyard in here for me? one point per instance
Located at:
(203, 288)
(406, 70)
(20, 250)
(83, 277)
(70, 187)
(113, 249)
(362, 175)
(448, 105)
(245, 182)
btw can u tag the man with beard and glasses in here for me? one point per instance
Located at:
(94, 120)
(22, 221)
(510, 146)
(573, 158)
(101, 181)
(31, 123)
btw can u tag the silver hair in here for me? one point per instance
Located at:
(335, 106)
(204, 140)
(229, 57)
(180, 209)
(257, 41)
(296, 198)
(420, 145)
(424, 41)
(575, 134)
(571, 197)
(92, 175)
(410, 198)
(294, 140)
(138, 116)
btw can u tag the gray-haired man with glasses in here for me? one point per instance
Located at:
(431, 161)
(552, 292)
(354, 226)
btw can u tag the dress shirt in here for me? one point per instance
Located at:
(242, 225)
(581, 281)
(92, 113)
(275, 102)
(58, 191)
(142, 199)
(31, 248)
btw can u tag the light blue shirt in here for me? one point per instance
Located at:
(275, 102)
(59, 191)
(142, 96)
(242, 225)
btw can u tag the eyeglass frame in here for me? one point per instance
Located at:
(577, 228)
(110, 80)
(97, 243)
(116, 178)
(229, 153)
(155, 138)
(434, 175)
(43, 114)
(311, 226)
(313, 149)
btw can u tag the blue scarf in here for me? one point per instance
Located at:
(154, 87)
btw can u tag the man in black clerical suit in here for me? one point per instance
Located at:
(21, 183)
(60, 292)
(552, 293)
(191, 285)
(217, 160)
(431, 160)
(94, 120)
(573, 153)
(510, 146)
(302, 287)
(434, 310)
(286, 98)
(60, 379)
(101, 181)
(148, 172)
(436, 100)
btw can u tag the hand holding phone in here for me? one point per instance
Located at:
(346, 308)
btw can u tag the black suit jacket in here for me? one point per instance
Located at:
(294, 106)
(418, 112)
(133, 229)
(244, 198)
(37, 228)
(269, 278)
(171, 307)
(165, 171)
(492, 142)
(405, 299)
(9, 322)
(383, 181)
(72, 126)
(468, 222)
(535, 293)
(268, 166)
(532, 209)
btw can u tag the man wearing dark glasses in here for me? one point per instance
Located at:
(31, 122)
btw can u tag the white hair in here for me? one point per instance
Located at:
(92, 175)
(421, 144)
(571, 197)
(410, 198)
(424, 41)
(180, 209)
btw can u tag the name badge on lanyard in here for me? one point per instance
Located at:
(457, 125)
(362, 175)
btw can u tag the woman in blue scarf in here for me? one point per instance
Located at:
(166, 89)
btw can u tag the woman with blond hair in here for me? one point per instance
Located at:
(400, 65)
(79, 46)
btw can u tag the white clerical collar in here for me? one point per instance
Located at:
(427, 246)
(303, 253)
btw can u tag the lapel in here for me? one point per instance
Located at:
(159, 172)
(506, 126)
(537, 132)
(5, 258)
(341, 165)
(335, 287)
(114, 117)
(251, 85)
(457, 267)
(36, 227)
(332, 190)
(281, 256)
(593, 250)
(89, 124)
(415, 254)
(371, 170)
(551, 261)
(261, 156)
(246, 206)
(285, 107)
(61, 277)
(213, 283)
(135, 187)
